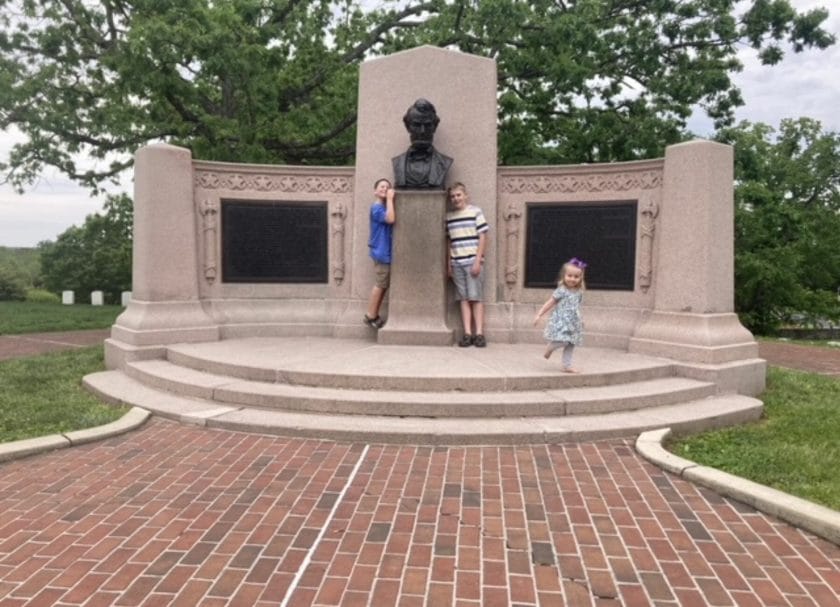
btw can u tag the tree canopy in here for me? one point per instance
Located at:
(95, 256)
(787, 222)
(276, 80)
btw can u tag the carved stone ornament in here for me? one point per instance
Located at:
(338, 214)
(209, 209)
(648, 229)
(293, 184)
(512, 216)
(596, 182)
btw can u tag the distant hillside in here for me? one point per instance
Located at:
(24, 261)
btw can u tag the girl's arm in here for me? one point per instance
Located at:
(545, 308)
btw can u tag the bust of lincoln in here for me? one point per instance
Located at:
(421, 166)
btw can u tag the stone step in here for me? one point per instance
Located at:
(452, 403)
(692, 416)
(360, 365)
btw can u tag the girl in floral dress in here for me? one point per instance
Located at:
(564, 327)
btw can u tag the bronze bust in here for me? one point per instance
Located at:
(422, 166)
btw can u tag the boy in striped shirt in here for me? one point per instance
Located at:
(467, 235)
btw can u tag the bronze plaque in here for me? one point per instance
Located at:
(274, 242)
(603, 234)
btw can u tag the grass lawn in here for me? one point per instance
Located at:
(795, 447)
(18, 317)
(43, 395)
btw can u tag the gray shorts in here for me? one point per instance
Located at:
(383, 274)
(469, 287)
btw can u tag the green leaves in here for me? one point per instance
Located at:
(275, 81)
(787, 222)
(93, 257)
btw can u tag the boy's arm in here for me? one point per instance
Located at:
(390, 209)
(479, 256)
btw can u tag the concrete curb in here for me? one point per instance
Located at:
(132, 420)
(819, 520)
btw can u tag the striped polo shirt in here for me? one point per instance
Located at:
(463, 228)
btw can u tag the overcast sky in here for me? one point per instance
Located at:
(804, 84)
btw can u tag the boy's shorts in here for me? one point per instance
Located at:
(383, 274)
(469, 287)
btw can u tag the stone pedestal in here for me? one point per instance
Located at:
(693, 319)
(417, 296)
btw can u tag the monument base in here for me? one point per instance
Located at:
(697, 338)
(417, 295)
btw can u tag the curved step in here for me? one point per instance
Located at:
(692, 416)
(361, 365)
(516, 403)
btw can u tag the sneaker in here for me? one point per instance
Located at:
(479, 341)
(373, 323)
(466, 341)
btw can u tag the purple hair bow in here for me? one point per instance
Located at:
(578, 263)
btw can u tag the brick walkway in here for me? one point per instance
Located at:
(175, 515)
(805, 358)
(182, 515)
(32, 344)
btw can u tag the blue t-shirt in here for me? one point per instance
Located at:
(381, 234)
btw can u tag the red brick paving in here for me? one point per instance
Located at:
(32, 344)
(181, 515)
(804, 358)
(178, 515)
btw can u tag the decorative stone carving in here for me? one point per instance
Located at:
(648, 228)
(293, 184)
(209, 209)
(596, 182)
(338, 214)
(511, 216)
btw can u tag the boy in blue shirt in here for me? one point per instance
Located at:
(382, 217)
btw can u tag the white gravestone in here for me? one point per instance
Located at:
(96, 298)
(125, 298)
(67, 298)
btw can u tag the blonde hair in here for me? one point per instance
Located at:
(571, 264)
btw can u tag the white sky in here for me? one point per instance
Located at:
(804, 84)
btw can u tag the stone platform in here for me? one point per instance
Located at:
(355, 389)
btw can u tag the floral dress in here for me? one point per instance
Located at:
(565, 324)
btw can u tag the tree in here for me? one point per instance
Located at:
(95, 256)
(244, 80)
(12, 283)
(787, 222)
(275, 80)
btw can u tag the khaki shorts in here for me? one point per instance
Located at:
(383, 274)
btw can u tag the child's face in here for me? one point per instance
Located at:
(458, 198)
(381, 189)
(572, 277)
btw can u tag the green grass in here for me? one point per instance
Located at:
(43, 395)
(17, 317)
(795, 447)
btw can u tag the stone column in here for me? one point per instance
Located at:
(693, 318)
(417, 296)
(165, 306)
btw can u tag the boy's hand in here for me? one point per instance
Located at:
(536, 319)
